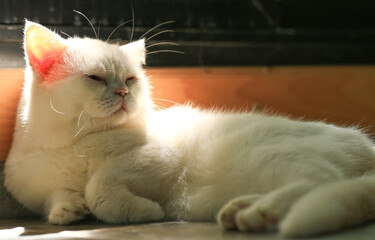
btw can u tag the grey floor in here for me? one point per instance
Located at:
(38, 229)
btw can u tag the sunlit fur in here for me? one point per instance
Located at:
(73, 154)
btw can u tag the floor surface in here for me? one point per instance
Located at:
(37, 229)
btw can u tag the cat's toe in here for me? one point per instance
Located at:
(227, 215)
(145, 211)
(63, 213)
(227, 218)
(255, 220)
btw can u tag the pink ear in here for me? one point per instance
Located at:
(43, 48)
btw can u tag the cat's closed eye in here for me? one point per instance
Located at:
(95, 78)
(130, 78)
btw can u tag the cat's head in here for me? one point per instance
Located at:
(89, 80)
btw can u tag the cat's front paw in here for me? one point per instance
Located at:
(145, 211)
(123, 207)
(63, 213)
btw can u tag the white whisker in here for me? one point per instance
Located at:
(133, 22)
(160, 104)
(53, 108)
(161, 24)
(165, 50)
(66, 34)
(158, 107)
(166, 100)
(80, 115)
(162, 43)
(80, 130)
(114, 30)
(100, 21)
(96, 35)
(164, 31)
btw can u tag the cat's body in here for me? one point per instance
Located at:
(82, 147)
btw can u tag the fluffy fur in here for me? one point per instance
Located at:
(88, 141)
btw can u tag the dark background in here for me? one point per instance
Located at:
(210, 32)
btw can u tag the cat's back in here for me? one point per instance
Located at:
(184, 123)
(217, 139)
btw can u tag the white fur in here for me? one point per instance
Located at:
(264, 172)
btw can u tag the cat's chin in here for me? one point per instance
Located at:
(119, 116)
(121, 110)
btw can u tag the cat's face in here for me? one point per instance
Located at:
(97, 82)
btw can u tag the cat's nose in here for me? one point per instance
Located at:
(121, 91)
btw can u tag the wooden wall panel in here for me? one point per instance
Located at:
(11, 81)
(343, 95)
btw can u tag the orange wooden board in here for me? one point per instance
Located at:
(344, 95)
(11, 81)
(338, 94)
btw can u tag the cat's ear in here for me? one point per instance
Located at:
(136, 50)
(43, 48)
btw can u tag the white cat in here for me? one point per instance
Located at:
(87, 140)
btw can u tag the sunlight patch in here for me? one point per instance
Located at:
(11, 233)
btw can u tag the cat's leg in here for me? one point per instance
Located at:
(65, 206)
(112, 202)
(331, 207)
(265, 213)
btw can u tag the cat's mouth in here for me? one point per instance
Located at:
(118, 113)
(121, 110)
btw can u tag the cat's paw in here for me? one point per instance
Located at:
(248, 214)
(145, 211)
(63, 213)
(257, 219)
(123, 207)
(227, 215)
(265, 215)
